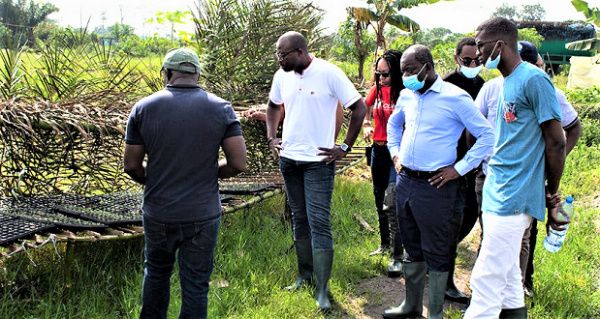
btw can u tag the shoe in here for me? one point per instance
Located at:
(412, 306)
(382, 250)
(394, 268)
(455, 295)
(516, 313)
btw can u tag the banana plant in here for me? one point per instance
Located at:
(380, 12)
(591, 14)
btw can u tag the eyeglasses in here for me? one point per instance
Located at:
(282, 55)
(467, 61)
(384, 74)
(481, 44)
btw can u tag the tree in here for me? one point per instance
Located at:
(380, 12)
(31, 14)
(505, 11)
(591, 14)
(532, 12)
(119, 31)
(172, 17)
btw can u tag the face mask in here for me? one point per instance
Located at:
(412, 82)
(470, 72)
(493, 64)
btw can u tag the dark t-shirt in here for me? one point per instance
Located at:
(472, 86)
(181, 128)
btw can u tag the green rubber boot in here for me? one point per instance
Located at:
(305, 264)
(412, 306)
(437, 291)
(322, 261)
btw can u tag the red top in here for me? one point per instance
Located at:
(381, 111)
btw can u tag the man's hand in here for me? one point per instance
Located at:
(553, 202)
(275, 146)
(444, 175)
(254, 114)
(397, 165)
(331, 154)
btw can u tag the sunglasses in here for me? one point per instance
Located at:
(384, 74)
(467, 61)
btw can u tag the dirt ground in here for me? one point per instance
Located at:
(377, 294)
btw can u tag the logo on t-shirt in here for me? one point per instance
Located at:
(510, 111)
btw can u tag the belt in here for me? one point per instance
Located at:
(418, 174)
(380, 143)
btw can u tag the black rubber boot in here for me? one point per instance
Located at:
(394, 268)
(384, 228)
(516, 313)
(322, 262)
(305, 263)
(437, 286)
(412, 306)
(452, 292)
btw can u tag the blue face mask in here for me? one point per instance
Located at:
(470, 72)
(493, 64)
(412, 82)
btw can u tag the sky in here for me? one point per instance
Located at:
(460, 16)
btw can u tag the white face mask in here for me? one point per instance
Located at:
(493, 64)
(470, 72)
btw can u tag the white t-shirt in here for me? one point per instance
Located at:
(487, 102)
(310, 101)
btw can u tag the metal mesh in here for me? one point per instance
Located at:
(121, 208)
(13, 228)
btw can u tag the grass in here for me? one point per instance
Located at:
(255, 260)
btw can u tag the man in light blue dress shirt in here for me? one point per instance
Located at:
(423, 133)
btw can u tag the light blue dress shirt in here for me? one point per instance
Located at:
(424, 129)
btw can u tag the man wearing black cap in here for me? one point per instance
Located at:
(181, 130)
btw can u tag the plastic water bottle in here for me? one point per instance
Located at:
(555, 238)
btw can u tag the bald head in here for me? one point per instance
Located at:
(293, 39)
(421, 53)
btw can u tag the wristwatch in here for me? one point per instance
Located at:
(344, 147)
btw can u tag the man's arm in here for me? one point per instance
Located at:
(133, 162)
(555, 163)
(573, 133)
(274, 114)
(359, 109)
(235, 157)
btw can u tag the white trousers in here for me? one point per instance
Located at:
(496, 278)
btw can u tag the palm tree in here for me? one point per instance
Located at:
(32, 14)
(380, 12)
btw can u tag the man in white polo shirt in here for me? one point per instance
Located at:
(310, 88)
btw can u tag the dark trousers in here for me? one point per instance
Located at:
(381, 173)
(424, 214)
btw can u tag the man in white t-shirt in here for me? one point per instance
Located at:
(487, 102)
(310, 89)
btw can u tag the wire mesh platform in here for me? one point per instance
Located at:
(14, 228)
(101, 214)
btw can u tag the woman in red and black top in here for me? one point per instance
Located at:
(381, 102)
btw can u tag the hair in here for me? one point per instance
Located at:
(392, 57)
(464, 42)
(501, 27)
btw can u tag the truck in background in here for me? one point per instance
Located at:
(556, 36)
